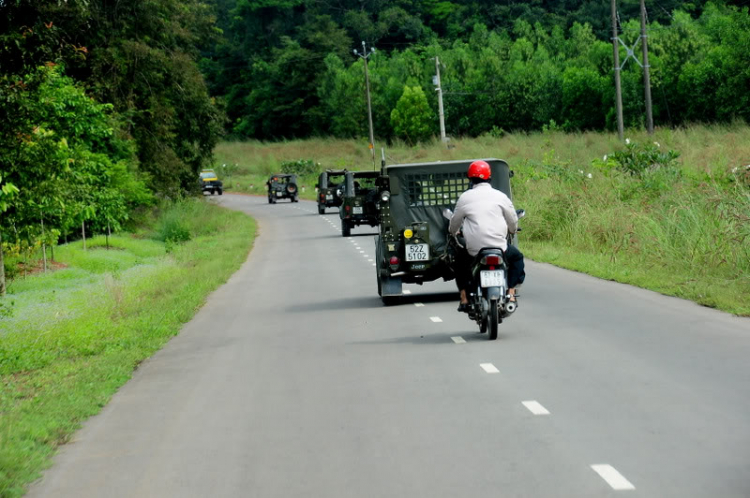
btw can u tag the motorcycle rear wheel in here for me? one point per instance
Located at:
(494, 319)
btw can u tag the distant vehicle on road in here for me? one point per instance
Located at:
(330, 189)
(360, 200)
(282, 186)
(209, 182)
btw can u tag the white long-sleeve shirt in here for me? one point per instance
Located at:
(487, 216)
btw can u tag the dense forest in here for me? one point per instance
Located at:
(102, 109)
(286, 68)
(108, 105)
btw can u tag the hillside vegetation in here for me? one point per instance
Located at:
(668, 212)
(286, 68)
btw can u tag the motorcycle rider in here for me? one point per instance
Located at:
(487, 216)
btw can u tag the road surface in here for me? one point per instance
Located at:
(295, 381)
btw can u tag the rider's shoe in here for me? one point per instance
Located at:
(463, 307)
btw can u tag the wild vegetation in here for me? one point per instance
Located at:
(102, 109)
(668, 212)
(285, 69)
(70, 338)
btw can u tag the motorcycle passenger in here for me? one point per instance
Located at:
(487, 216)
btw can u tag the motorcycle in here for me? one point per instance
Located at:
(489, 299)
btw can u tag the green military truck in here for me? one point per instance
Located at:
(412, 244)
(360, 203)
(330, 189)
(282, 186)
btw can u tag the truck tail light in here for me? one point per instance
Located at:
(394, 261)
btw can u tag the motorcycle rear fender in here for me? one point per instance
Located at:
(494, 293)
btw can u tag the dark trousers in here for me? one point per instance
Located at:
(514, 258)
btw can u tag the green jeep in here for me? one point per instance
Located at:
(412, 245)
(360, 200)
(282, 186)
(330, 189)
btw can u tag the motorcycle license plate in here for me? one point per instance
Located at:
(417, 252)
(329, 197)
(492, 278)
(357, 210)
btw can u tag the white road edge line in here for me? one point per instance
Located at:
(489, 368)
(458, 340)
(535, 407)
(616, 480)
(436, 319)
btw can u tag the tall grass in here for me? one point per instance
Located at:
(75, 335)
(683, 230)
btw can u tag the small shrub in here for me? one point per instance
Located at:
(6, 308)
(638, 159)
(172, 230)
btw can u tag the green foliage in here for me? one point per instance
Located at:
(301, 167)
(141, 60)
(640, 159)
(287, 70)
(66, 162)
(412, 118)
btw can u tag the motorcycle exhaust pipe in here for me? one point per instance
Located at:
(510, 307)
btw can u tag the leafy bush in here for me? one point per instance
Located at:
(300, 167)
(640, 159)
(172, 229)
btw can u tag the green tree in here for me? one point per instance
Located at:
(412, 118)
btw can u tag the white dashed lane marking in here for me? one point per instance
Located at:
(535, 407)
(436, 319)
(407, 292)
(489, 368)
(418, 305)
(458, 340)
(616, 480)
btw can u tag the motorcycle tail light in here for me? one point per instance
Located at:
(492, 260)
(394, 261)
(348, 208)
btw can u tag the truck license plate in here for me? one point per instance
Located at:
(417, 252)
(329, 197)
(357, 210)
(492, 278)
(278, 194)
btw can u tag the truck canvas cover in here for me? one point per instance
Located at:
(421, 191)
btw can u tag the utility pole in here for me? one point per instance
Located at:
(365, 55)
(618, 87)
(439, 90)
(646, 73)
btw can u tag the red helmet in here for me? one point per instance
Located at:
(479, 169)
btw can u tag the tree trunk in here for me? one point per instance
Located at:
(2, 268)
(44, 247)
(83, 232)
(109, 234)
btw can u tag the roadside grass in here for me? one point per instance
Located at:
(682, 230)
(76, 335)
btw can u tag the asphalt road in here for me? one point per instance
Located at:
(295, 381)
